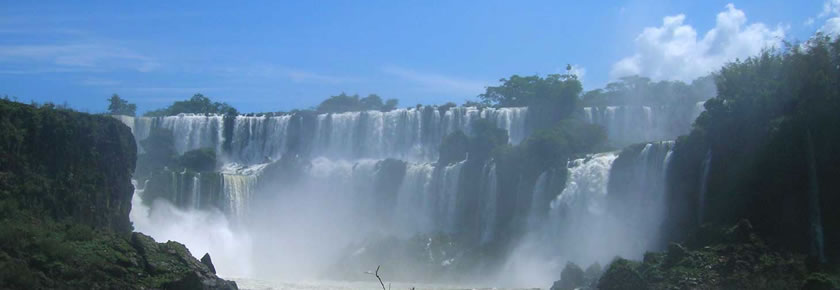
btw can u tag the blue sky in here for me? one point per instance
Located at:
(280, 55)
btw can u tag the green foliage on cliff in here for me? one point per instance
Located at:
(775, 150)
(347, 103)
(717, 258)
(197, 104)
(66, 165)
(65, 197)
(39, 253)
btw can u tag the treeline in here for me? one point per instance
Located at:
(553, 94)
(636, 90)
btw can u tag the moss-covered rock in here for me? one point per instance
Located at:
(727, 258)
(622, 274)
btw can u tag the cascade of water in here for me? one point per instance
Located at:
(489, 204)
(415, 203)
(409, 134)
(127, 120)
(704, 179)
(196, 191)
(238, 183)
(448, 196)
(586, 187)
(195, 131)
(632, 124)
(541, 190)
(259, 139)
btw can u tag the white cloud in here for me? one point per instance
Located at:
(673, 51)
(436, 82)
(831, 11)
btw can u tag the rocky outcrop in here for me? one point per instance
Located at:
(719, 258)
(173, 265)
(65, 198)
(208, 262)
(70, 165)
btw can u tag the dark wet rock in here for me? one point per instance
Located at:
(208, 262)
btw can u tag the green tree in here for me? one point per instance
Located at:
(549, 99)
(347, 103)
(119, 106)
(197, 104)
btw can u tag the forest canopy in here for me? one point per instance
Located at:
(347, 103)
(197, 104)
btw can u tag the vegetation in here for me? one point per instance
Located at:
(118, 106)
(549, 99)
(636, 90)
(65, 196)
(769, 143)
(772, 140)
(717, 258)
(346, 103)
(66, 164)
(197, 104)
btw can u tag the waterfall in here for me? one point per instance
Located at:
(448, 196)
(632, 124)
(586, 187)
(815, 216)
(409, 134)
(194, 131)
(704, 180)
(238, 184)
(259, 139)
(489, 204)
(541, 190)
(415, 205)
(127, 120)
(196, 191)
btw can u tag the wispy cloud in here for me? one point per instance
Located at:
(437, 82)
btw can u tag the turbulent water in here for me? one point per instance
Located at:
(590, 212)
(369, 176)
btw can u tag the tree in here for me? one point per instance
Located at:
(347, 103)
(549, 99)
(197, 104)
(118, 106)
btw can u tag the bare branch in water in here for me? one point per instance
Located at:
(377, 277)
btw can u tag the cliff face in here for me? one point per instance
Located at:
(65, 198)
(68, 165)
